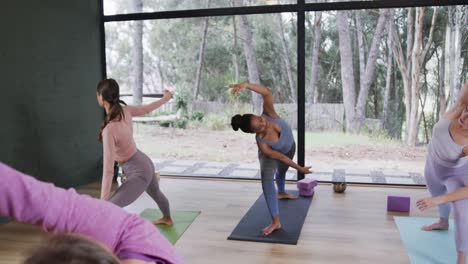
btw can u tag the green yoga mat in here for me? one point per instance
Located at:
(4, 220)
(435, 247)
(182, 220)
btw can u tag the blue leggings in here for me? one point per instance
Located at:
(271, 169)
(441, 180)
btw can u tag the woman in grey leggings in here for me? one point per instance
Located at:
(116, 136)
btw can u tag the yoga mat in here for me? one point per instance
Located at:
(4, 220)
(181, 219)
(292, 216)
(435, 247)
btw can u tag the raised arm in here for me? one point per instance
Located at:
(144, 109)
(429, 202)
(273, 154)
(268, 107)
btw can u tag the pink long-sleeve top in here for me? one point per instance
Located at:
(28, 200)
(118, 144)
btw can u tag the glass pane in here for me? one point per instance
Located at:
(356, 75)
(112, 7)
(192, 135)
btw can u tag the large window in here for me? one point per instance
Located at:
(355, 89)
(356, 122)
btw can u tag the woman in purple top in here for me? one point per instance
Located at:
(87, 230)
(446, 173)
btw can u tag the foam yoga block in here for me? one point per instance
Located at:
(398, 203)
(306, 184)
(306, 187)
(306, 192)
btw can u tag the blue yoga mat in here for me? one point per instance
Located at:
(435, 247)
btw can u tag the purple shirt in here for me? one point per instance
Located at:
(28, 200)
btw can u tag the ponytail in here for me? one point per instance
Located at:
(116, 113)
(109, 90)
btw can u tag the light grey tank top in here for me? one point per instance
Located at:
(442, 147)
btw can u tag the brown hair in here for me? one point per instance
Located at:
(109, 90)
(242, 122)
(70, 249)
(462, 102)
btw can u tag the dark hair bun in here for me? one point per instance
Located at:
(236, 122)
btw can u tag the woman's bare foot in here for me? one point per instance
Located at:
(285, 195)
(271, 228)
(442, 224)
(164, 220)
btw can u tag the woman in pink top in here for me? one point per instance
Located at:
(116, 136)
(86, 230)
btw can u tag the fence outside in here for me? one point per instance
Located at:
(318, 117)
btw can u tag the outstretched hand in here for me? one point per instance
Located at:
(305, 170)
(426, 203)
(167, 94)
(237, 87)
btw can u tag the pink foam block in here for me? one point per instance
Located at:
(398, 203)
(306, 184)
(306, 192)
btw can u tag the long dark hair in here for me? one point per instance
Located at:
(109, 89)
(242, 122)
(68, 249)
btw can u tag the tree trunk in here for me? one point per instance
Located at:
(347, 73)
(137, 55)
(355, 112)
(235, 59)
(315, 57)
(455, 19)
(442, 100)
(418, 55)
(396, 130)
(250, 58)
(369, 73)
(161, 76)
(361, 50)
(285, 55)
(201, 54)
(388, 78)
(423, 118)
(402, 64)
(410, 68)
(409, 50)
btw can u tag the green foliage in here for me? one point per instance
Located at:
(165, 124)
(182, 100)
(158, 113)
(197, 116)
(216, 121)
(281, 111)
(181, 123)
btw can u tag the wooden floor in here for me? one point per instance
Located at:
(340, 228)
